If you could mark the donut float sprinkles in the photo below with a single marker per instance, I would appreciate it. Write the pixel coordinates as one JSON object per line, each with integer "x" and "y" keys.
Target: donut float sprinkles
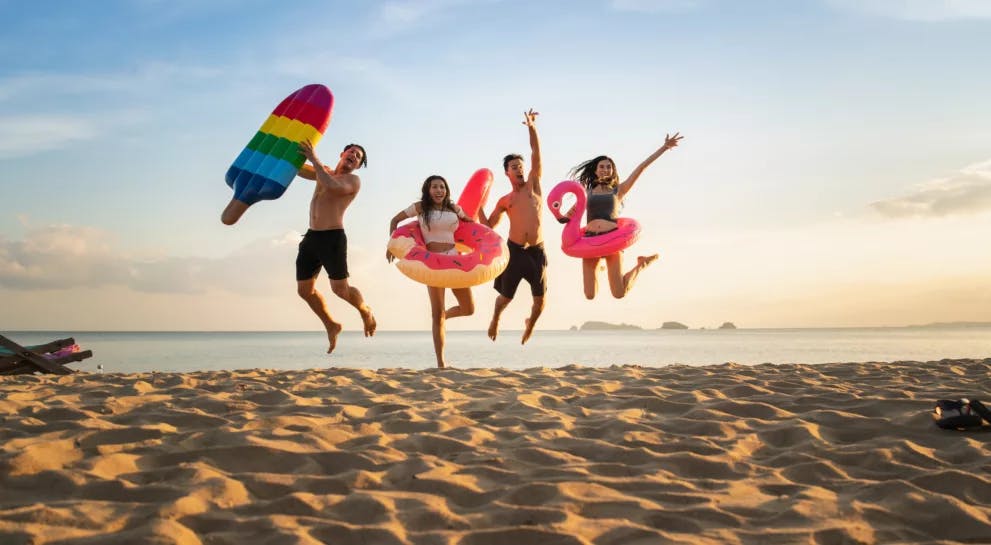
{"x": 481, "y": 253}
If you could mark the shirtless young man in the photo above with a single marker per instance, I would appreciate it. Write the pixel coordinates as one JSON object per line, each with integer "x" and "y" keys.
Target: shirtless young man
{"x": 527, "y": 260}
{"x": 325, "y": 243}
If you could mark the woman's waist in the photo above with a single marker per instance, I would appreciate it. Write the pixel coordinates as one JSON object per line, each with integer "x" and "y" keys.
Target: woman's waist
{"x": 600, "y": 225}
{"x": 440, "y": 247}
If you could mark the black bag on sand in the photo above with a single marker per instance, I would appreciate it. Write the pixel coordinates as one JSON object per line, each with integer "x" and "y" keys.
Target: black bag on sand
{"x": 961, "y": 414}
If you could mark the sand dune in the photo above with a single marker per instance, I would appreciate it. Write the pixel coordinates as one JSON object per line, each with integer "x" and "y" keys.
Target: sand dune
{"x": 770, "y": 454}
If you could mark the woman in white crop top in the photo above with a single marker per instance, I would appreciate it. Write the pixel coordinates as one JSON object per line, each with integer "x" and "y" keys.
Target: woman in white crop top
{"x": 439, "y": 218}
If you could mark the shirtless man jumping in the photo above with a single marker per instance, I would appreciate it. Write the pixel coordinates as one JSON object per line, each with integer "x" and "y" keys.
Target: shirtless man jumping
{"x": 325, "y": 242}
{"x": 527, "y": 260}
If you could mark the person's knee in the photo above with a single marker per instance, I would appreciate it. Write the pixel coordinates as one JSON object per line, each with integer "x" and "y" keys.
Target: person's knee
{"x": 437, "y": 315}
{"x": 468, "y": 309}
{"x": 590, "y": 293}
{"x": 305, "y": 291}
{"x": 341, "y": 290}
{"x": 617, "y": 292}
{"x": 502, "y": 302}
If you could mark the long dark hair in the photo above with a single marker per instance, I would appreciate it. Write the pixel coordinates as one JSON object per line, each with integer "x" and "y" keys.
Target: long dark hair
{"x": 585, "y": 172}
{"x": 427, "y": 204}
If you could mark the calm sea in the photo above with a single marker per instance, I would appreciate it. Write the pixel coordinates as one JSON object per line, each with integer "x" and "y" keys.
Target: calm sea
{"x": 124, "y": 352}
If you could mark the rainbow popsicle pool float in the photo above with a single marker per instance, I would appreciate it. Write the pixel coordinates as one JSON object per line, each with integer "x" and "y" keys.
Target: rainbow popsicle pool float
{"x": 271, "y": 159}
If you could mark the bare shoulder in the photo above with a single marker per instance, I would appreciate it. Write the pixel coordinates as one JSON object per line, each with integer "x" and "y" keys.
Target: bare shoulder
{"x": 505, "y": 201}
{"x": 353, "y": 180}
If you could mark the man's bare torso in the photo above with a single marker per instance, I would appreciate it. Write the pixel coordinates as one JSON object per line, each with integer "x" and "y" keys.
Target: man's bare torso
{"x": 523, "y": 208}
{"x": 327, "y": 208}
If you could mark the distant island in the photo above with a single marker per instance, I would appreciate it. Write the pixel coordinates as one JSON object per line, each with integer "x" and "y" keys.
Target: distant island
{"x": 936, "y": 325}
{"x": 605, "y": 326}
{"x": 673, "y": 325}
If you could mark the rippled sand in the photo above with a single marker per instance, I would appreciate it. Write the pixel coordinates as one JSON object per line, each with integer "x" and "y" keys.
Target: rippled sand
{"x": 770, "y": 454}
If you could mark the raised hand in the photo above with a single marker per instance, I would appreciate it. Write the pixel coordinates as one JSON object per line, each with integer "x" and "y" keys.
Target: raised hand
{"x": 306, "y": 148}
{"x": 530, "y": 117}
{"x": 671, "y": 141}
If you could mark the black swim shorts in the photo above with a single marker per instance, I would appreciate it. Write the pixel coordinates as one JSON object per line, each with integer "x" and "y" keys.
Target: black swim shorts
{"x": 328, "y": 248}
{"x": 528, "y": 264}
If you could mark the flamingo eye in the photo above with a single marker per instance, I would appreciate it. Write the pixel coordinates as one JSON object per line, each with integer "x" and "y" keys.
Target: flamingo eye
{"x": 556, "y": 204}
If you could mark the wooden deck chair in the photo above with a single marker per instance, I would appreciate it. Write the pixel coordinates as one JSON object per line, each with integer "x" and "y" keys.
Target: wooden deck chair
{"x": 45, "y": 358}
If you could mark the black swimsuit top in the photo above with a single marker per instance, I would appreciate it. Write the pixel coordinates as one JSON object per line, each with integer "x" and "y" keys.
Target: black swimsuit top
{"x": 602, "y": 206}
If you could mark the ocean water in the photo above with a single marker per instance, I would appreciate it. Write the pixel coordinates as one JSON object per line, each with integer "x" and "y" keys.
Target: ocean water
{"x": 125, "y": 352}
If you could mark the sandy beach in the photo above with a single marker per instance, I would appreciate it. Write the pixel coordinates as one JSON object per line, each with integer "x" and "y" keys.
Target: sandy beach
{"x": 729, "y": 454}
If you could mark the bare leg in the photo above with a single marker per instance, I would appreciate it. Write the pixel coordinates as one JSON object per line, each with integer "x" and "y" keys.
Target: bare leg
{"x": 465, "y": 306}
{"x": 589, "y": 278}
{"x": 535, "y": 310}
{"x": 307, "y": 290}
{"x": 500, "y": 305}
{"x": 351, "y": 294}
{"x": 437, "y": 318}
{"x": 621, "y": 284}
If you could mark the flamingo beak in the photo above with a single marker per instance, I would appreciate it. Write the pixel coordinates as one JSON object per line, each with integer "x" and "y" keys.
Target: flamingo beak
{"x": 562, "y": 220}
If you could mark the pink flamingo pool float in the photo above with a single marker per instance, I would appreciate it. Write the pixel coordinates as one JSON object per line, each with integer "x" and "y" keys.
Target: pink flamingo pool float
{"x": 573, "y": 239}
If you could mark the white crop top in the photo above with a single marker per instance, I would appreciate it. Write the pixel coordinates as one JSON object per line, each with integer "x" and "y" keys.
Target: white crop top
{"x": 443, "y": 223}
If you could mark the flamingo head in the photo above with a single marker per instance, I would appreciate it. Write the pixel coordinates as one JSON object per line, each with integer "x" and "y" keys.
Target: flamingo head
{"x": 555, "y": 200}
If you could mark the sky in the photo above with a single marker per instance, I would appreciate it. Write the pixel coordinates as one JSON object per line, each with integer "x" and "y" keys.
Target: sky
{"x": 835, "y": 169}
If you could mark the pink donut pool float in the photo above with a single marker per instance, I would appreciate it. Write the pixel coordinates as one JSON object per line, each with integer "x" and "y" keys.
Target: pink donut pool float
{"x": 481, "y": 253}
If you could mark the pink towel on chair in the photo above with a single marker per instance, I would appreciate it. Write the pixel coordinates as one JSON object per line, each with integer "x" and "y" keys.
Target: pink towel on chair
{"x": 71, "y": 349}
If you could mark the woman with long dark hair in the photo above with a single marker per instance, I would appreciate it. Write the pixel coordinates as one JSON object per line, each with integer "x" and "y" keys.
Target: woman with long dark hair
{"x": 439, "y": 218}
{"x": 605, "y": 197}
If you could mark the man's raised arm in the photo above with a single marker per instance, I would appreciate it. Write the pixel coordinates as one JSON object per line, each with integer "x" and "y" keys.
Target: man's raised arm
{"x": 536, "y": 168}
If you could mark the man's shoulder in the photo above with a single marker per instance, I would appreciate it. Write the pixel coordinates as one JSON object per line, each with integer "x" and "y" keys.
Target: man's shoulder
{"x": 351, "y": 178}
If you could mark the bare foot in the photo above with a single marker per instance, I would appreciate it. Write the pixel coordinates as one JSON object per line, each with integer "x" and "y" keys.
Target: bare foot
{"x": 493, "y": 329}
{"x": 645, "y": 260}
{"x": 368, "y": 320}
{"x": 527, "y": 331}
{"x": 332, "y": 333}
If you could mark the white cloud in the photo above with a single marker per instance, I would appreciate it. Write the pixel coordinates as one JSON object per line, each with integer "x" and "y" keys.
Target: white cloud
{"x": 26, "y": 135}
{"x": 146, "y": 78}
{"x": 66, "y": 257}
{"x": 919, "y": 10}
{"x": 40, "y": 111}
{"x": 60, "y": 256}
{"x": 398, "y": 16}
{"x": 966, "y": 192}
{"x": 654, "y": 6}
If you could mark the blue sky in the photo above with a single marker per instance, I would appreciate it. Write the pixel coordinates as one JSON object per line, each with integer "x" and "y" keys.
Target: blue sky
{"x": 836, "y": 167}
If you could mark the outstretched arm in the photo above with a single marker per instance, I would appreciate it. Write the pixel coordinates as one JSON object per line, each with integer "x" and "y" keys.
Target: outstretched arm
{"x": 492, "y": 219}
{"x": 670, "y": 141}
{"x": 307, "y": 171}
{"x": 345, "y": 185}
{"x": 536, "y": 168}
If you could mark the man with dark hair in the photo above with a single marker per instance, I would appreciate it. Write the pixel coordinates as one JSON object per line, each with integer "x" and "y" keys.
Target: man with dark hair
{"x": 325, "y": 243}
{"x": 526, "y": 243}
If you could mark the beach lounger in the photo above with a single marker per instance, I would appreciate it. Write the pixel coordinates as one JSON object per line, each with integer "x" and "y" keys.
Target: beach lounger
{"x": 44, "y": 358}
